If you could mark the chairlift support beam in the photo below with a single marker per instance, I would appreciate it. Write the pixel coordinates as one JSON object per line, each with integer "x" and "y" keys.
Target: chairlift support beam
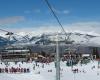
{"x": 57, "y": 60}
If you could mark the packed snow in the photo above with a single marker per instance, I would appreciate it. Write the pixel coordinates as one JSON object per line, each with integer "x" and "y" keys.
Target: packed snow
{"x": 47, "y": 71}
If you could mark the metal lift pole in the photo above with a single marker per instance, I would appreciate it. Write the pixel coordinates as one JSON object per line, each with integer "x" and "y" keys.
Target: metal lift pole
{"x": 57, "y": 59}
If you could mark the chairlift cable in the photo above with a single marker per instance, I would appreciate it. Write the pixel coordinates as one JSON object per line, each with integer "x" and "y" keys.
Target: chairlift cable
{"x": 56, "y": 17}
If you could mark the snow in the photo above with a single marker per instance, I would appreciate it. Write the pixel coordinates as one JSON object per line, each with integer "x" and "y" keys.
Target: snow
{"x": 78, "y": 36}
{"x": 88, "y": 71}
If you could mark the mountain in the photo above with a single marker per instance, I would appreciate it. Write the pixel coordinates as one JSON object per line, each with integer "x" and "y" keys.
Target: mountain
{"x": 3, "y": 41}
{"x": 50, "y": 38}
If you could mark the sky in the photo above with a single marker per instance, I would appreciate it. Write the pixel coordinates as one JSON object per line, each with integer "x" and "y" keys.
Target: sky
{"x": 34, "y": 15}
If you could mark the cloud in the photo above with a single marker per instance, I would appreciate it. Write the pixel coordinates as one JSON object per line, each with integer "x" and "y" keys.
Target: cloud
{"x": 84, "y": 27}
{"x": 37, "y": 10}
{"x": 27, "y": 12}
{"x": 92, "y": 28}
{"x": 61, "y": 11}
{"x": 12, "y": 20}
{"x": 32, "y": 11}
{"x": 38, "y": 30}
{"x": 65, "y": 11}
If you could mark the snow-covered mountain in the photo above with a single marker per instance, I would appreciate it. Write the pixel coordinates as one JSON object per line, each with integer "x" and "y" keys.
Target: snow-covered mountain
{"x": 50, "y": 38}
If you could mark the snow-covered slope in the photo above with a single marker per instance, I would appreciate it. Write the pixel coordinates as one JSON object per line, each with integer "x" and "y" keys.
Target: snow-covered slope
{"x": 49, "y": 38}
{"x": 85, "y": 71}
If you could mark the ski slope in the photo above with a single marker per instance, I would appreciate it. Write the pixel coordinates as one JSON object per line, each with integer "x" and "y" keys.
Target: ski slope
{"x": 88, "y": 71}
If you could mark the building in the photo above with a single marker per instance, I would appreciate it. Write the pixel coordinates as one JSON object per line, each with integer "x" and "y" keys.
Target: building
{"x": 15, "y": 55}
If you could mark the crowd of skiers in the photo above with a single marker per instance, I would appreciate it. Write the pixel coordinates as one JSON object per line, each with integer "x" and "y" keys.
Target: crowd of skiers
{"x": 9, "y": 69}
{"x": 14, "y": 70}
{"x": 77, "y": 70}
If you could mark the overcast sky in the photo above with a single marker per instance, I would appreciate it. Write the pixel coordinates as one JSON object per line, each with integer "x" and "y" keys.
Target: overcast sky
{"x": 34, "y": 15}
